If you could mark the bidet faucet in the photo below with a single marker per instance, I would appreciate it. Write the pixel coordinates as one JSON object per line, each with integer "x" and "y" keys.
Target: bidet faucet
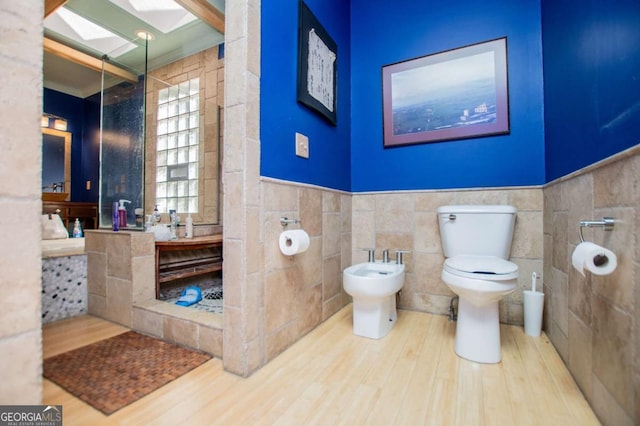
{"x": 399, "y": 254}
{"x": 385, "y": 255}
{"x": 372, "y": 254}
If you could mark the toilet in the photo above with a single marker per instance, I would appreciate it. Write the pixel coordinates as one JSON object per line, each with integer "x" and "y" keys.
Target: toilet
{"x": 476, "y": 242}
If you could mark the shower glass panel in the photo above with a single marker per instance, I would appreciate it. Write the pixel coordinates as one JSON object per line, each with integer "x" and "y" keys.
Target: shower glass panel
{"x": 122, "y": 147}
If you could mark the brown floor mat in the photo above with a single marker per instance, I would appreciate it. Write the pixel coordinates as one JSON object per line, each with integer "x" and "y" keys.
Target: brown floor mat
{"x": 115, "y": 372}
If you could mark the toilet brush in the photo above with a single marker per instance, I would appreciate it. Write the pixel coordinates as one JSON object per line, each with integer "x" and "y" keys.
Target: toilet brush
{"x": 533, "y": 305}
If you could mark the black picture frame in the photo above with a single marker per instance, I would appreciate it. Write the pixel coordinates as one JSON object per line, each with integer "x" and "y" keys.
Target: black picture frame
{"x": 456, "y": 94}
{"x": 318, "y": 72}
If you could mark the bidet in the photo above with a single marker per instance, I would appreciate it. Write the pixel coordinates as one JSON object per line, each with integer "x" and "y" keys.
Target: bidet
{"x": 373, "y": 286}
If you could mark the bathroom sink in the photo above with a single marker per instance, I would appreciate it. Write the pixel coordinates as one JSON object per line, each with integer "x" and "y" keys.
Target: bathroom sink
{"x": 375, "y": 278}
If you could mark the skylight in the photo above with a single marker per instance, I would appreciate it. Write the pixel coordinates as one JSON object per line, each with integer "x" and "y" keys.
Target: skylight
{"x": 85, "y": 32}
{"x": 163, "y": 15}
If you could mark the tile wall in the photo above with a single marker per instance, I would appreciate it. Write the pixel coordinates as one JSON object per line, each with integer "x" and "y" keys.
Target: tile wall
{"x": 121, "y": 288}
{"x": 408, "y": 221}
{"x": 303, "y": 290}
{"x": 594, "y": 321}
{"x": 20, "y": 195}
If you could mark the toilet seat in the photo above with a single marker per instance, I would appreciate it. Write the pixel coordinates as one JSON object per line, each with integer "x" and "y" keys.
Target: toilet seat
{"x": 486, "y": 268}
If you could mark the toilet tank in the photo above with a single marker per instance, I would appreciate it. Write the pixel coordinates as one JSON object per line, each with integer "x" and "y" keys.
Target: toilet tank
{"x": 482, "y": 230}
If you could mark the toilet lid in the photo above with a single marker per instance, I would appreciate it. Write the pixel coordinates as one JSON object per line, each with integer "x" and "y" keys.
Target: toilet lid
{"x": 481, "y": 267}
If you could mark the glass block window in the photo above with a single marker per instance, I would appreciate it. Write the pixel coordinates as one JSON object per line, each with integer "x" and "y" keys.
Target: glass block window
{"x": 178, "y": 147}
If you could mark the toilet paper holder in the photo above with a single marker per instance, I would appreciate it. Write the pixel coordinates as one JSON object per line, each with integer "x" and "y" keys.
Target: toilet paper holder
{"x": 606, "y": 223}
{"x": 286, "y": 221}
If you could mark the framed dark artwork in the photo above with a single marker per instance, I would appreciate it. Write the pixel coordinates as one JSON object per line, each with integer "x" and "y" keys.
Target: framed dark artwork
{"x": 317, "y": 66}
{"x": 456, "y": 94}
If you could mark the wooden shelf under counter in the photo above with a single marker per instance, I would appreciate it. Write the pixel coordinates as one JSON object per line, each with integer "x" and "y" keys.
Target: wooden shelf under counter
{"x": 187, "y": 257}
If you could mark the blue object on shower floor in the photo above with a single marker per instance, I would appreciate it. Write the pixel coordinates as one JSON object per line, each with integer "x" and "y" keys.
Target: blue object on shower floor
{"x": 190, "y": 295}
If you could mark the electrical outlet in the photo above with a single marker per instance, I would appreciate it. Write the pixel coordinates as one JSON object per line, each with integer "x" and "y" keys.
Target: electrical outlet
{"x": 302, "y": 145}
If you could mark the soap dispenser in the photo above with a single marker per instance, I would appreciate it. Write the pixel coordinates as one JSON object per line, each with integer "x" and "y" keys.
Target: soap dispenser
{"x": 77, "y": 229}
{"x": 156, "y": 215}
{"x": 122, "y": 214}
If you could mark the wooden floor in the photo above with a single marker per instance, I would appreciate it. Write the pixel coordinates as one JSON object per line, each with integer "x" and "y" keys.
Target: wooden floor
{"x": 331, "y": 377}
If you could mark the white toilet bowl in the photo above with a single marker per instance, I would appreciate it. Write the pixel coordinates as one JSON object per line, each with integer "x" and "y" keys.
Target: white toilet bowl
{"x": 373, "y": 286}
{"x": 480, "y": 282}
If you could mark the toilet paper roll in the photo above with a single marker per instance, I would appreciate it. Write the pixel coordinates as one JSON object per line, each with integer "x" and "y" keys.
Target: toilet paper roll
{"x": 293, "y": 242}
{"x": 595, "y": 259}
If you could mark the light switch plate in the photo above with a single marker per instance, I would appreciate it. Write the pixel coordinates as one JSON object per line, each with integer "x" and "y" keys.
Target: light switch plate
{"x": 302, "y": 145}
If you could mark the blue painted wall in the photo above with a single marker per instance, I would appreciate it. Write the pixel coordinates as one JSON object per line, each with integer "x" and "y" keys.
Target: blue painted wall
{"x": 281, "y": 116}
{"x": 83, "y": 121}
{"x": 592, "y": 81}
{"x": 387, "y": 32}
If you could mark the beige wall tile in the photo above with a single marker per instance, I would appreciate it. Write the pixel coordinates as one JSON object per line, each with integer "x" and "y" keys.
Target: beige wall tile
{"x": 560, "y": 301}
{"x": 580, "y": 360}
{"x": 210, "y": 341}
{"x": 311, "y": 211}
{"x": 143, "y": 279}
{"x": 481, "y": 197}
{"x": 280, "y": 198}
{"x": 526, "y": 199}
{"x": 331, "y": 234}
{"x": 254, "y": 251}
{"x": 254, "y": 304}
{"x": 281, "y": 294}
{"x": 333, "y": 305}
{"x": 231, "y": 268}
{"x": 615, "y": 185}
{"x": 118, "y": 251}
{"x": 527, "y": 235}
{"x": 180, "y": 331}
{"x": 310, "y": 310}
{"x": 119, "y": 301}
{"x": 431, "y": 201}
{"x": 601, "y": 335}
{"x": 148, "y": 322}
{"x": 606, "y": 407}
{"x": 279, "y": 340}
{"x": 613, "y": 352}
{"x": 427, "y": 233}
{"x": 310, "y": 263}
{"x": 618, "y": 286}
{"x": 22, "y": 374}
{"x": 363, "y": 203}
{"x": 331, "y": 277}
{"x": 330, "y": 202}
{"x": 394, "y": 213}
{"x": 233, "y": 341}
{"x": 560, "y": 254}
{"x": 97, "y": 273}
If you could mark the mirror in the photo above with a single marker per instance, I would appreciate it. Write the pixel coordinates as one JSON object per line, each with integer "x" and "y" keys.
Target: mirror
{"x": 56, "y": 165}
{"x": 73, "y": 81}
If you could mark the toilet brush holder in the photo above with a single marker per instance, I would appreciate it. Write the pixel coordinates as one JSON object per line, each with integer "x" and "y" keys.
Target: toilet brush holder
{"x": 533, "y": 306}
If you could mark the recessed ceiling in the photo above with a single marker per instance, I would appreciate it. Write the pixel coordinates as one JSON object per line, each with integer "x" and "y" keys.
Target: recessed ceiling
{"x": 111, "y": 28}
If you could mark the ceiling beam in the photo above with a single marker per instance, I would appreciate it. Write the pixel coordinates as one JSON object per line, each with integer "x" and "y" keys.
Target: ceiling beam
{"x": 205, "y": 11}
{"x": 51, "y": 6}
{"x": 88, "y": 61}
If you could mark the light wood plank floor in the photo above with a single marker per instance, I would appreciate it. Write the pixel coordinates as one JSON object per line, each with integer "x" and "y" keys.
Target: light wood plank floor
{"x": 331, "y": 377}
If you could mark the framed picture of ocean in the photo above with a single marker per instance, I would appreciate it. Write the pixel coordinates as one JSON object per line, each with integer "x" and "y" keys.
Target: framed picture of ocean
{"x": 456, "y": 94}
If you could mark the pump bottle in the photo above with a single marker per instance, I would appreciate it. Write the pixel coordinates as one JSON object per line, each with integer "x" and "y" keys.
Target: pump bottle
{"x": 122, "y": 214}
{"x": 77, "y": 229}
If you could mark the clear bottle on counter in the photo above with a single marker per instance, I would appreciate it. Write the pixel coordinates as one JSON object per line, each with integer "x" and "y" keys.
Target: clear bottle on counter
{"x": 77, "y": 229}
{"x": 174, "y": 224}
